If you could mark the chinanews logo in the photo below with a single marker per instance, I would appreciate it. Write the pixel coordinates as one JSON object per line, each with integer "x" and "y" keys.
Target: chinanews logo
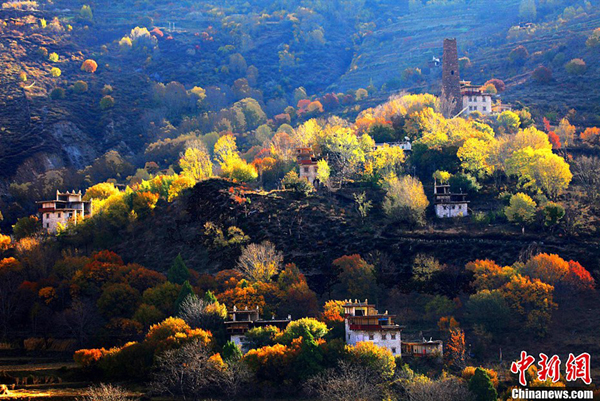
{"x": 577, "y": 368}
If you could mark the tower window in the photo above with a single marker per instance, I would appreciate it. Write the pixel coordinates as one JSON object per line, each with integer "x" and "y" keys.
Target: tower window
{"x": 452, "y": 72}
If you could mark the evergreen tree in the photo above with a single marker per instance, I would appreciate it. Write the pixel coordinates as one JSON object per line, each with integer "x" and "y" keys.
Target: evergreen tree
{"x": 481, "y": 386}
{"x": 178, "y": 273}
{"x": 186, "y": 291}
{"x": 310, "y": 358}
{"x": 231, "y": 352}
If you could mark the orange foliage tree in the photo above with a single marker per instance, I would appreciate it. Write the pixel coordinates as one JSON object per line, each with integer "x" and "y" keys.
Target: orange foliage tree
{"x": 591, "y": 136}
{"x": 489, "y": 275}
{"x": 456, "y": 349}
{"x": 89, "y": 65}
{"x": 271, "y": 363}
{"x": 550, "y": 269}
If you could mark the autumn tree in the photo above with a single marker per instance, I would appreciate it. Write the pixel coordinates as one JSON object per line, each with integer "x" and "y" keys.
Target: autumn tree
{"x": 566, "y": 132}
{"x": 540, "y": 170}
{"x": 549, "y": 268}
{"x": 89, "y": 65}
{"x": 232, "y": 165}
{"x": 509, "y": 121}
{"x": 591, "y": 136}
{"x": 405, "y": 200}
{"x": 379, "y": 359}
{"x": 425, "y": 267}
{"x": 195, "y": 163}
{"x": 579, "y": 278}
{"x": 456, "y": 350}
{"x": 260, "y": 262}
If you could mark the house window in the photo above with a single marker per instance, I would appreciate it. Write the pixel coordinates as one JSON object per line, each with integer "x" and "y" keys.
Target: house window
{"x": 47, "y": 215}
{"x": 371, "y": 337}
{"x": 393, "y": 350}
{"x": 393, "y": 336}
{"x": 484, "y": 108}
{"x": 59, "y": 215}
{"x": 384, "y": 336}
{"x": 70, "y": 214}
{"x": 306, "y": 169}
{"x": 47, "y": 225}
{"x": 348, "y": 337}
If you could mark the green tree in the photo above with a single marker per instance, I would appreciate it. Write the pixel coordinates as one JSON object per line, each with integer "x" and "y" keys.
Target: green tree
{"x": 185, "y": 292}
{"x": 521, "y": 210}
{"x": 481, "y": 385}
{"x": 298, "y": 328}
{"x": 553, "y": 213}
{"x": 178, "y": 273}
{"x": 231, "y": 352}
{"x": 26, "y": 227}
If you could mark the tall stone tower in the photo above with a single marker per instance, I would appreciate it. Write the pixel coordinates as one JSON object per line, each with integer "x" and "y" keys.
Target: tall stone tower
{"x": 451, "y": 76}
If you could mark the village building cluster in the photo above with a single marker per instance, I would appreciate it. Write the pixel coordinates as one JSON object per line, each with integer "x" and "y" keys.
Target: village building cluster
{"x": 362, "y": 323}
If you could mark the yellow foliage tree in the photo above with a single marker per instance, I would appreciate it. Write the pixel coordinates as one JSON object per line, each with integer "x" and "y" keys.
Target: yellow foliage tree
{"x": 195, "y": 163}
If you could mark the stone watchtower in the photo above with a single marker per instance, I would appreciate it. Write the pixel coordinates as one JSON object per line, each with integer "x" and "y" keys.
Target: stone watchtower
{"x": 451, "y": 76}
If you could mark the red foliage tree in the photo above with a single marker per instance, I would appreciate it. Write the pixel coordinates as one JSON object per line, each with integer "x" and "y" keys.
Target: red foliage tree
{"x": 579, "y": 278}
{"x": 554, "y": 140}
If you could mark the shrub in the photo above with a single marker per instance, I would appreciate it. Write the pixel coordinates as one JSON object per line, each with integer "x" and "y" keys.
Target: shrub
{"x": 80, "y": 87}
{"x": 55, "y": 72}
{"x": 53, "y": 57}
{"x": 293, "y": 182}
{"x": 105, "y": 392}
{"x": 518, "y": 55}
{"x": 576, "y": 67}
{"x": 107, "y": 102}
{"x": 57, "y": 93}
{"x": 542, "y": 74}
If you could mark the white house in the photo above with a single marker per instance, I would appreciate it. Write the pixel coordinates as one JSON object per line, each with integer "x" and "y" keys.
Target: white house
{"x": 67, "y": 207}
{"x": 475, "y": 99}
{"x": 307, "y": 163}
{"x": 364, "y": 323}
{"x": 448, "y": 204}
